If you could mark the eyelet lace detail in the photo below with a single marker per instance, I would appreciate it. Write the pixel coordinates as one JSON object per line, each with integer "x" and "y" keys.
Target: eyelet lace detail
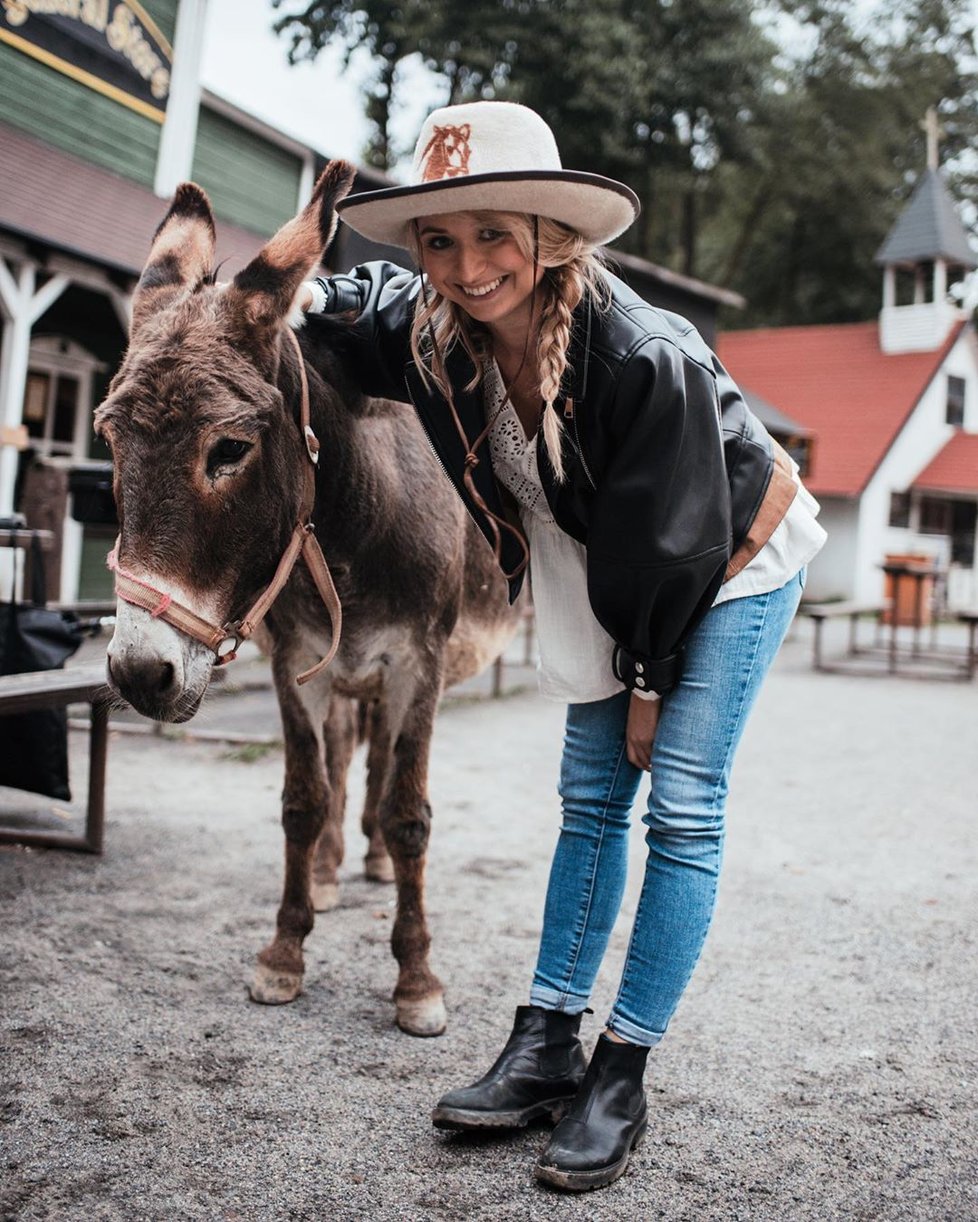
{"x": 514, "y": 458}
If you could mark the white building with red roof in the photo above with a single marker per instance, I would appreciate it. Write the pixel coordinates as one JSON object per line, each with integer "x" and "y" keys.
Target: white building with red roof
{"x": 892, "y": 406}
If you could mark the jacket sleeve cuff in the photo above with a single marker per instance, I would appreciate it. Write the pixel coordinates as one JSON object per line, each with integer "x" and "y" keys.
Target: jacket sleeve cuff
{"x": 339, "y": 294}
{"x": 643, "y": 674}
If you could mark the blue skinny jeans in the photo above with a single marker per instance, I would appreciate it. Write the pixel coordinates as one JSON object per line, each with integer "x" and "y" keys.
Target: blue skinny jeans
{"x": 701, "y": 722}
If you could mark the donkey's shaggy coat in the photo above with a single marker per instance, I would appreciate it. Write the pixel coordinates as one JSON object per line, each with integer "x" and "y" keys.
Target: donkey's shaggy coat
{"x": 209, "y": 463}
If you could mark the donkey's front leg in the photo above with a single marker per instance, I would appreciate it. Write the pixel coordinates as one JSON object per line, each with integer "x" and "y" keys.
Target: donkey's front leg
{"x": 405, "y": 819}
{"x": 377, "y": 864}
{"x": 340, "y": 736}
{"x": 278, "y": 973}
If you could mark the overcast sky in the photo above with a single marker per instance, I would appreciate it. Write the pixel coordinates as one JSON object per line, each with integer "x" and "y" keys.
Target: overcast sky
{"x": 246, "y": 63}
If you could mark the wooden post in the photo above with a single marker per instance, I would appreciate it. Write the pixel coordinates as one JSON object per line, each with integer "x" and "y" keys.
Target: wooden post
{"x": 44, "y": 503}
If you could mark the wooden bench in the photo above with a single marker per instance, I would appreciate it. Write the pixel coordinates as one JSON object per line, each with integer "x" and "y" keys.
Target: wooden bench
{"x": 820, "y": 612}
{"x": 48, "y": 689}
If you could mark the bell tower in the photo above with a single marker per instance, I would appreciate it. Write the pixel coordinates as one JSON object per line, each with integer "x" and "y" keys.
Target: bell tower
{"x": 923, "y": 253}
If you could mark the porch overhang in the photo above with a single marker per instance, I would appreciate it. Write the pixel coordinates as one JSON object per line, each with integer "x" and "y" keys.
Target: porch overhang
{"x": 953, "y": 471}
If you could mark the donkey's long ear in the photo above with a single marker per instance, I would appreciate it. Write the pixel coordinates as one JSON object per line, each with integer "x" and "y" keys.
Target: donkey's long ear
{"x": 182, "y": 253}
{"x": 265, "y": 289}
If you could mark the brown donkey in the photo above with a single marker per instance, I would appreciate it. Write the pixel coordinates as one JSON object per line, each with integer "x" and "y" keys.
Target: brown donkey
{"x": 210, "y": 461}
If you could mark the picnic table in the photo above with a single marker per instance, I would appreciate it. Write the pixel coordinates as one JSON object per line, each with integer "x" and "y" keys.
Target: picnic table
{"x": 907, "y": 610}
{"x": 47, "y": 689}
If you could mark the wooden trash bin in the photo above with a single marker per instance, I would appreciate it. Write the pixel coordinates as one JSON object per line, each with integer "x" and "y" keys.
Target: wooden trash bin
{"x": 910, "y": 593}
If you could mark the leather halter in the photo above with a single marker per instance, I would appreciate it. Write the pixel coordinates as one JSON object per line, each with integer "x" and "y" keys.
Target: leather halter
{"x": 302, "y": 543}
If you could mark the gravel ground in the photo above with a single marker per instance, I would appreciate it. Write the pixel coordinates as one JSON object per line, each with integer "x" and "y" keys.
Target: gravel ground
{"x": 821, "y": 1066}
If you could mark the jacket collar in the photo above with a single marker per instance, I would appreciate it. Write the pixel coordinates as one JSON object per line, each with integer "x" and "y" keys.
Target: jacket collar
{"x": 435, "y": 416}
{"x": 468, "y": 403}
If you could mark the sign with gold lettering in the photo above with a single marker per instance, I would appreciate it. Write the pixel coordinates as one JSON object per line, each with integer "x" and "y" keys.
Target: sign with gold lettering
{"x": 112, "y": 46}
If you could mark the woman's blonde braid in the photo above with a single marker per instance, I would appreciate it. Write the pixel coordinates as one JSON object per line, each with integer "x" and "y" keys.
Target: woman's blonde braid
{"x": 566, "y": 288}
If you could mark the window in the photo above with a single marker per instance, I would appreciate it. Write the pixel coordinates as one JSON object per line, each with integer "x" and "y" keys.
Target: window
{"x": 964, "y": 515}
{"x": 935, "y": 516}
{"x": 899, "y": 508}
{"x": 955, "y": 400}
{"x": 50, "y": 407}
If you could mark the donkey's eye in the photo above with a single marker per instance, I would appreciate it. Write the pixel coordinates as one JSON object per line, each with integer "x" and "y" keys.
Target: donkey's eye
{"x": 226, "y": 453}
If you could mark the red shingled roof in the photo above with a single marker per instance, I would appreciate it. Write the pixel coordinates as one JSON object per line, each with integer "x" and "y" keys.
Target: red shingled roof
{"x": 84, "y": 210}
{"x": 835, "y": 380}
{"x": 953, "y": 469}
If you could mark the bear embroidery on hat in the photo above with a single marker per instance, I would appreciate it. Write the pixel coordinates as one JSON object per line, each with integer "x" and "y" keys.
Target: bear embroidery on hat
{"x": 446, "y": 155}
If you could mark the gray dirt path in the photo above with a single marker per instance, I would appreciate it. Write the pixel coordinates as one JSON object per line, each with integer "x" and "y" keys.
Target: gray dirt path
{"x": 821, "y": 1066}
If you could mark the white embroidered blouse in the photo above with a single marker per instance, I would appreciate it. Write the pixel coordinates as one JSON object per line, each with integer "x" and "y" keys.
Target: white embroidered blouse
{"x": 575, "y": 651}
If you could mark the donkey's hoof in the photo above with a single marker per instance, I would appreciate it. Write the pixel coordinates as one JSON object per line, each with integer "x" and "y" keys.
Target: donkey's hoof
{"x": 378, "y": 868}
{"x": 324, "y": 896}
{"x": 273, "y": 988}
{"x": 425, "y": 1017}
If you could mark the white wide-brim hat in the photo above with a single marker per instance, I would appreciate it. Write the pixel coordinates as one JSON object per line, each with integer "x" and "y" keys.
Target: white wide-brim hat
{"x": 498, "y": 156}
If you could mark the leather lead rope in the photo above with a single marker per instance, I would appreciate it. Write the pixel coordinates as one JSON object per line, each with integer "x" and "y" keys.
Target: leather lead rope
{"x": 302, "y": 543}
{"x": 312, "y": 553}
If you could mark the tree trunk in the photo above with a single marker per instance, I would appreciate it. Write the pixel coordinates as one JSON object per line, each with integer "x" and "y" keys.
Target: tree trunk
{"x": 648, "y": 214}
{"x": 787, "y": 303}
{"x": 758, "y": 207}
{"x": 380, "y": 153}
{"x": 455, "y": 86}
{"x": 688, "y": 234}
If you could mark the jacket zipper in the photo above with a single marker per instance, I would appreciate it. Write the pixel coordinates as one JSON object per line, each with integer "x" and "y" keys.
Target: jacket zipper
{"x": 572, "y": 414}
{"x": 438, "y": 457}
{"x": 580, "y": 453}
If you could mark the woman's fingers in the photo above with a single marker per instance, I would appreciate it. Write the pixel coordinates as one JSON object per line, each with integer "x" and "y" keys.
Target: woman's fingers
{"x": 643, "y": 720}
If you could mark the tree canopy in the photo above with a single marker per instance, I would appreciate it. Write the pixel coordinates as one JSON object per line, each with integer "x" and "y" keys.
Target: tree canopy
{"x": 772, "y": 148}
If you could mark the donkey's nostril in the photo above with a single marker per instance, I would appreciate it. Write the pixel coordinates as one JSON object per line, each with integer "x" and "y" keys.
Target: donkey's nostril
{"x": 150, "y": 677}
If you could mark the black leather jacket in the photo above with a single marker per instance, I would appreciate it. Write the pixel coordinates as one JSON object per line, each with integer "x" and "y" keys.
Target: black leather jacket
{"x": 665, "y": 466}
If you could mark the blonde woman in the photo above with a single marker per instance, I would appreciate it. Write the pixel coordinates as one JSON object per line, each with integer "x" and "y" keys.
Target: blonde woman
{"x": 669, "y": 538}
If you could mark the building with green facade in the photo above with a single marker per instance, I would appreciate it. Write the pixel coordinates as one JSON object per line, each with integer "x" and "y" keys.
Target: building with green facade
{"x": 101, "y": 115}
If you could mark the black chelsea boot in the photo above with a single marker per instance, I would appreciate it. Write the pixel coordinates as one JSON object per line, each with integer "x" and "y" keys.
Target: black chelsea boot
{"x": 537, "y": 1072}
{"x": 607, "y": 1120}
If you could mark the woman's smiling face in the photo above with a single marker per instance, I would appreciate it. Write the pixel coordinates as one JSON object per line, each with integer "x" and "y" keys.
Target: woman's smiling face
{"x": 472, "y": 260}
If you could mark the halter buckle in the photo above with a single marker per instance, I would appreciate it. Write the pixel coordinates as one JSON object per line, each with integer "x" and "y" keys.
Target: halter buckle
{"x": 312, "y": 444}
{"x": 226, "y": 649}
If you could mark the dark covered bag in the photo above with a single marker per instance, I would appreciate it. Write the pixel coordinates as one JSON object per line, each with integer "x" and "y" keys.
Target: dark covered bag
{"x": 34, "y": 746}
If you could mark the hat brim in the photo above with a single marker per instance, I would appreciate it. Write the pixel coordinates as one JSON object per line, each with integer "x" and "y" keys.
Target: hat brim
{"x": 598, "y": 208}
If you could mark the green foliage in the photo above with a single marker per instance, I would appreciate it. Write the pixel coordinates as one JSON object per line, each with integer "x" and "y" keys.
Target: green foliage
{"x": 835, "y": 156}
{"x": 772, "y": 148}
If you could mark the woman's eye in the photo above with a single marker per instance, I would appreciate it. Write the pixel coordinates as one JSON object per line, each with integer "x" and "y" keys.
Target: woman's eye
{"x": 439, "y": 243}
{"x": 226, "y": 453}
{"x": 492, "y": 235}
